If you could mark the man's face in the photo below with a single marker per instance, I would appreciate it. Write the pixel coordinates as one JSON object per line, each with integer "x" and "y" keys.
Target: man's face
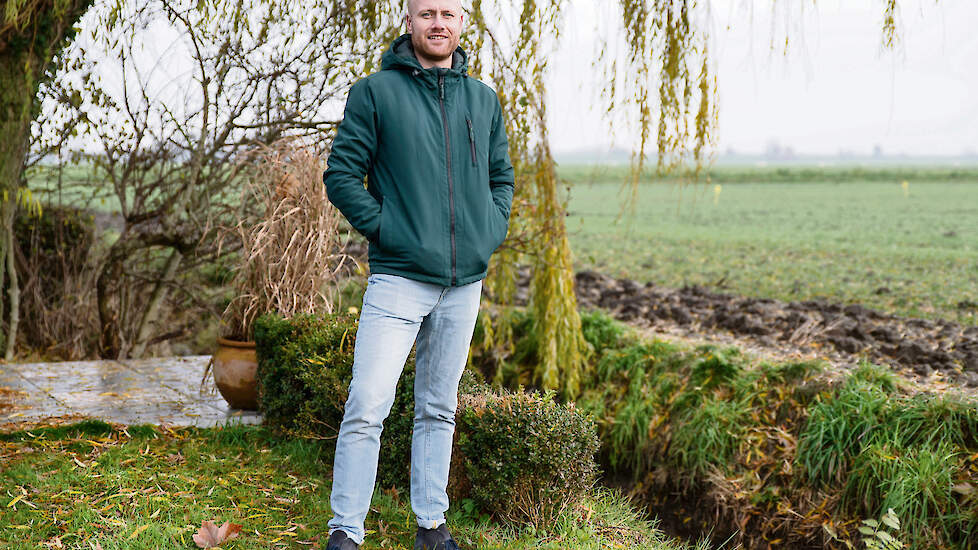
{"x": 436, "y": 28}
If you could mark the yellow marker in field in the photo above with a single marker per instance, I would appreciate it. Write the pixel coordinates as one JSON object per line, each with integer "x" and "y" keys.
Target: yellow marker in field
{"x": 716, "y": 194}
{"x": 906, "y": 188}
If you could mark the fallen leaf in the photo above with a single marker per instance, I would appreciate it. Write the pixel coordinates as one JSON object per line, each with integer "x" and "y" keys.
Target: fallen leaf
{"x": 964, "y": 488}
{"x": 138, "y": 531}
{"x": 210, "y": 535}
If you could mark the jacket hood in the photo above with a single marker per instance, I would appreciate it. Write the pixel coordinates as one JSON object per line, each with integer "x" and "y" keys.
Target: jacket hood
{"x": 400, "y": 55}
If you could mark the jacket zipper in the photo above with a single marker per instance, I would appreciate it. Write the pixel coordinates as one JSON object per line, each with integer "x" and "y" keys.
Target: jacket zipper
{"x": 448, "y": 162}
{"x": 468, "y": 121}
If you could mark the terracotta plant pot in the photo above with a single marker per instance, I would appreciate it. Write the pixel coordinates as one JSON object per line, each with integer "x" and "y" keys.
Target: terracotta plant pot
{"x": 235, "y": 373}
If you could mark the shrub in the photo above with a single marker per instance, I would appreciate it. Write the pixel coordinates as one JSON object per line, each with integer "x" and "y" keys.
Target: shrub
{"x": 305, "y": 365}
{"x": 780, "y": 450}
{"x": 521, "y": 456}
{"x": 526, "y": 457}
{"x": 57, "y": 284}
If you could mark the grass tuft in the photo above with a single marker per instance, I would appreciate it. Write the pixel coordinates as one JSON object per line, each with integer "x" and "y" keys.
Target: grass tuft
{"x": 876, "y": 375}
{"x": 837, "y": 430}
{"x": 706, "y": 437}
{"x": 719, "y": 368}
{"x": 916, "y": 483}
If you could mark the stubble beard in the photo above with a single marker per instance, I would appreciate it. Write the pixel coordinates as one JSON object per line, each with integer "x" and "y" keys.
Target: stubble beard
{"x": 421, "y": 49}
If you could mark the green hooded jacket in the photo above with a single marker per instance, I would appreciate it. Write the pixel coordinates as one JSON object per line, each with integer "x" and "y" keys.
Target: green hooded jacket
{"x": 432, "y": 144}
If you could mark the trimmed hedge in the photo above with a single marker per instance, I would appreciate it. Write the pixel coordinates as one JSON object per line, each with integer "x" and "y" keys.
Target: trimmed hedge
{"x": 520, "y": 456}
{"x": 525, "y": 456}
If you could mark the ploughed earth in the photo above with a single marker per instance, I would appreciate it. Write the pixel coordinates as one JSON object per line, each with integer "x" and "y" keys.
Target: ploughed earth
{"x": 934, "y": 352}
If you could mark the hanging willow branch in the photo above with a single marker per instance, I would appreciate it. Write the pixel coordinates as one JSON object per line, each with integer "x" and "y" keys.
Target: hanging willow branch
{"x": 890, "y": 36}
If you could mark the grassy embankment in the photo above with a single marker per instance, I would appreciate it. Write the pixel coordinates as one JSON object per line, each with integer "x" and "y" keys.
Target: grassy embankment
{"x": 783, "y": 453}
{"x": 842, "y": 234}
{"x": 150, "y": 487}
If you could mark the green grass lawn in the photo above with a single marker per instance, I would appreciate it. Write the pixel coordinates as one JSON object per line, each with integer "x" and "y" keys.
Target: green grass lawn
{"x": 864, "y": 241}
{"x": 149, "y": 487}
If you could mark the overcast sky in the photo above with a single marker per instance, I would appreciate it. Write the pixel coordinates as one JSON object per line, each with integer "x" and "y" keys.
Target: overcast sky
{"x": 835, "y": 90}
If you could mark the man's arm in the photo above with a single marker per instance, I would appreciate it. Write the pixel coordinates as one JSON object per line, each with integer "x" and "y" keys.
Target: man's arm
{"x": 350, "y": 158}
{"x": 500, "y": 167}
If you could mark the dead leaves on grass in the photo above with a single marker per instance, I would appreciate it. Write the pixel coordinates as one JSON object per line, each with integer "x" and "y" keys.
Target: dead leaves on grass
{"x": 164, "y": 482}
{"x": 210, "y": 535}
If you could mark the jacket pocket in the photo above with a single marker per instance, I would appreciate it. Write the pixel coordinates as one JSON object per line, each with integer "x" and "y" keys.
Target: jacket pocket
{"x": 382, "y": 232}
{"x": 468, "y": 123}
{"x": 499, "y": 226}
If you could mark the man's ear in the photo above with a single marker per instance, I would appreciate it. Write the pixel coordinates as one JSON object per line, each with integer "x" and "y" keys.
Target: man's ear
{"x": 407, "y": 23}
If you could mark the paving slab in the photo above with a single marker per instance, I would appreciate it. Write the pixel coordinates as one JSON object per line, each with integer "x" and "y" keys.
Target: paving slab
{"x": 146, "y": 391}
{"x": 182, "y": 374}
{"x": 22, "y": 400}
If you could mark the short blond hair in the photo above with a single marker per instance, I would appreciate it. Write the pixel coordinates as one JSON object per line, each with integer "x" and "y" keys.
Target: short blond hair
{"x": 408, "y": 4}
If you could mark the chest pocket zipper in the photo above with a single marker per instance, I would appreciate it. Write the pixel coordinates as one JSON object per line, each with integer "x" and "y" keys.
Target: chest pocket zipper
{"x": 468, "y": 123}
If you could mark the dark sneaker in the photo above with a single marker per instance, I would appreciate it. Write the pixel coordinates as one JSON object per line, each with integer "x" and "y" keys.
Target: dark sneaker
{"x": 434, "y": 539}
{"x": 339, "y": 540}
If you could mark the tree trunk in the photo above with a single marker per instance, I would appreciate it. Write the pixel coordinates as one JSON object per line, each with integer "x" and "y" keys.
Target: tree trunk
{"x": 15, "y": 124}
{"x": 110, "y": 343}
{"x": 153, "y": 307}
{"x": 13, "y": 292}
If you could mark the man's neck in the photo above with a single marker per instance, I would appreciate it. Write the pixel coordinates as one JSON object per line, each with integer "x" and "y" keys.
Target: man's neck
{"x": 441, "y": 63}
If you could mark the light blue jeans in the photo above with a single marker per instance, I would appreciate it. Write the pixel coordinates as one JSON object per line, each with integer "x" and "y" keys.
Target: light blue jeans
{"x": 396, "y": 312}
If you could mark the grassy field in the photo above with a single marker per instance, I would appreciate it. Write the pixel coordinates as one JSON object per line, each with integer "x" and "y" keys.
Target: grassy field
{"x": 844, "y": 235}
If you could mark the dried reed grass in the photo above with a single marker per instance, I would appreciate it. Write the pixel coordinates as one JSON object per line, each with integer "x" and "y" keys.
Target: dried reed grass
{"x": 291, "y": 256}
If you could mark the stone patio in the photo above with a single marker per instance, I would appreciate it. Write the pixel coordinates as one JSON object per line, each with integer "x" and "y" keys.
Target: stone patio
{"x": 162, "y": 391}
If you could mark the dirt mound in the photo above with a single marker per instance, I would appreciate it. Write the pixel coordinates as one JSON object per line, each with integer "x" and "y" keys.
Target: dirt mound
{"x": 851, "y": 331}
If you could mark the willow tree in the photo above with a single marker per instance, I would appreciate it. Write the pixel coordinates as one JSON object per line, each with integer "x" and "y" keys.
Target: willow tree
{"x": 664, "y": 82}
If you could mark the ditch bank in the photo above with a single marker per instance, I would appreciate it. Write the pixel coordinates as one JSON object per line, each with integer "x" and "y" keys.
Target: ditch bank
{"x": 791, "y": 454}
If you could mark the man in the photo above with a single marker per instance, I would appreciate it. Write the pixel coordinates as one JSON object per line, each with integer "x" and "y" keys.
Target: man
{"x": 432, "y": 143}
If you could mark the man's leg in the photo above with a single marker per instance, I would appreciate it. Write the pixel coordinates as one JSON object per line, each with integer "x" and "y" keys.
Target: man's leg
{"x": 393, "y": 308}
{"x": 442, "y": 350}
